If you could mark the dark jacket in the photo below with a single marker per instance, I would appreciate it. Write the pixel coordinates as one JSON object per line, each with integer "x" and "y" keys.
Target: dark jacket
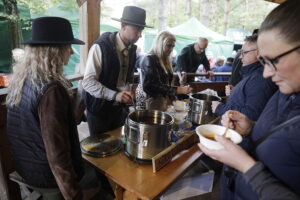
{"x": 188, "y": 60}
{"x": 236, "y": 75}
{"x": 225, "y": 68}
{"x": 279, "y": 153}
{"x": 156, "y": 82}
{"x": 27, "y": 144}
{"x": 251, "y": 94}
{"x": 110, "y": 71}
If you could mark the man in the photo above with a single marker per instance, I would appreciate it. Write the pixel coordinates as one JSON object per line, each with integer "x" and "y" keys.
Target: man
{"x": 227, "y": 67}
{"x": 109, "y": 70}
{"x": 252, "y": 93}
{"x": 191, "y": 57}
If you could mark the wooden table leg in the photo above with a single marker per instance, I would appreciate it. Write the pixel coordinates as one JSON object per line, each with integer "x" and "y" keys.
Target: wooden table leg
{"x": 119, "y": 192}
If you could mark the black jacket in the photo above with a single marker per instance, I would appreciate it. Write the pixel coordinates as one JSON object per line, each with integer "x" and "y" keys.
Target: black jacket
{"x": 156, "y": 82}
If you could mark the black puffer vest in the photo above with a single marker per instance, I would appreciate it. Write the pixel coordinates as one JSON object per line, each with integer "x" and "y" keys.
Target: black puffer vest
{"x": 110, "y": 71}
{"x": 29, "y": 155}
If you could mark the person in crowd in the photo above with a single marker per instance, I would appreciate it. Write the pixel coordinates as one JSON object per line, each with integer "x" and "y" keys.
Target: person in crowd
{"x": 253, "y": 92}
{"x": 155, "y": 90}
{"x": 211, "y": 60}
{"x": 219, "y": 63}
{"x": 227, "y": 67}
{"x": 270, "y": 169}
{"x": 40, "y": 119}
{"x": 191, "y": 57}
{"x": 110, "y": 70}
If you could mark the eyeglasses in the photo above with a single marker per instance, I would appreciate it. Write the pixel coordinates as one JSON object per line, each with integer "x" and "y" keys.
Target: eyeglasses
{"x": 245, "y": 52}
{"x": 271, "y": 62}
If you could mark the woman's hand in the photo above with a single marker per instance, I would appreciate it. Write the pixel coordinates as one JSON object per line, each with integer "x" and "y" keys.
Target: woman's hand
{"x": 237, "y": 121}
{"x": 184, "y": 90}
{"x": 232, "y": 154}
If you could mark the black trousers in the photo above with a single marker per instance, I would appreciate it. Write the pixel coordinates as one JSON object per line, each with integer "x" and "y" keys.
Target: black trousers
{"x": 107, "y": 120}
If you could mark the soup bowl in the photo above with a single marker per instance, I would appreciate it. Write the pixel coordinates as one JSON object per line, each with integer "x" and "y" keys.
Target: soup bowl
{"x": 207, "y": 132}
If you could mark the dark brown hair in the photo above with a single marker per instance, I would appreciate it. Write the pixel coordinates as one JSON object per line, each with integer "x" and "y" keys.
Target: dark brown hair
{"x": 284, "y": 18}
{"x": 251, "y": 39}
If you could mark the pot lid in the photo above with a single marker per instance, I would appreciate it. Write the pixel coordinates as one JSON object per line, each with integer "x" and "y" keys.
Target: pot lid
{"x": 100, "y": 145}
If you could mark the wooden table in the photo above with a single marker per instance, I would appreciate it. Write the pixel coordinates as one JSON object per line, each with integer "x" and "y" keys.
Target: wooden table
{"x": 137, "y": 181}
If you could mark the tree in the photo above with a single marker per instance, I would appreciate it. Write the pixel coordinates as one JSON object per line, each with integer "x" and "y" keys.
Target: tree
{"x": 205, "y": 12}
{"x": 226, "y": 15}
{"x": 189, "y": 8}
{"x": 11, "y": 14}
{"x": 162, "y": 14}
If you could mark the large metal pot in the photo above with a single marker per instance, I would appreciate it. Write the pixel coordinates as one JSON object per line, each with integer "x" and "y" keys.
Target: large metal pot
{"x": 147, "y": 132}
{"x": 200, "y": 108}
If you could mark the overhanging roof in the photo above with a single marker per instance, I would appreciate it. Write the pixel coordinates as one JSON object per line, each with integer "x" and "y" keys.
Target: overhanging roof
{"x": 276, "y": 1}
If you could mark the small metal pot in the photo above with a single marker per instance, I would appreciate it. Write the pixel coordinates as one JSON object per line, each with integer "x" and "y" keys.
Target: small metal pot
{"x": 147, "y": 132}
{"x": 200, "y": 108}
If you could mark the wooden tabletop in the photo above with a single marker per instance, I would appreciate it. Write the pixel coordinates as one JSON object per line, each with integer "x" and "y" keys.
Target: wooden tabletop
{"x": 139, "y": 179}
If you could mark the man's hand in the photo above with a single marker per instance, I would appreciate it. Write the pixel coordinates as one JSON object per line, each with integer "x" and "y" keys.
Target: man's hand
{"x": 124, "y": 97}
{"x": 184, "y": 90}
{"x": 214, "y": 105}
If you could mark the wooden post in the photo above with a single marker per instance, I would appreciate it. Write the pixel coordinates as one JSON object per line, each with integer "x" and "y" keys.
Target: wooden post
{"x": 89, "y": 28}
{"x": 8, "y": 189}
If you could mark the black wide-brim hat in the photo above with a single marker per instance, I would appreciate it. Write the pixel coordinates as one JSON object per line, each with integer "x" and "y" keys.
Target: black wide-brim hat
{"x": 133, "y": 15}
{"x": 52, "y": 31}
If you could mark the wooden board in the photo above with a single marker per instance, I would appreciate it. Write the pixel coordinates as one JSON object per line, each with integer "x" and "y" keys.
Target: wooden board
{"x": 164, "y": 157}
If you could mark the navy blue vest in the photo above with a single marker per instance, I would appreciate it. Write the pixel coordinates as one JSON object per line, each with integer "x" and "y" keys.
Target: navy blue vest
{"x": 23, "y": 129}
{"x": 110, "y": 71}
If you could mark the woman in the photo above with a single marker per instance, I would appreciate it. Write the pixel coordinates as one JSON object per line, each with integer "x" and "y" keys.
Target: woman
{"x": 271, "y": 169}
{"x": 40, "y": 119}
{"x": 155, "y": 89}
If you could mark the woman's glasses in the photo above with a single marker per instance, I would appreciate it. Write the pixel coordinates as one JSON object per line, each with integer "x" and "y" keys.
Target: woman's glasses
{"x": 271, "y": 62}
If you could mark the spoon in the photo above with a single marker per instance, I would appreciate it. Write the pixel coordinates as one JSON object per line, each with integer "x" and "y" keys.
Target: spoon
{"x": 226, "y": 129}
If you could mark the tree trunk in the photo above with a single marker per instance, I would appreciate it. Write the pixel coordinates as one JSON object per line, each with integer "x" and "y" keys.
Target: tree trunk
{"x": 189, "y": 8}
{"x": 226, "y": 15}
{"x": 15, "y": 31}
{"x": 162, "y": 14}
{"x": 205, "y": 12}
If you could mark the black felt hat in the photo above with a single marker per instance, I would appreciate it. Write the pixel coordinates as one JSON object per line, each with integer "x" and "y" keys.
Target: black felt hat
{"x": 133, "y": 15}
{"x": 52, "y": 31}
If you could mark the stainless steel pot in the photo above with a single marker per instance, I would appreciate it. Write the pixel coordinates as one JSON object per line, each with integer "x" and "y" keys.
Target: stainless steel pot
{"x": 147, "y": 132}
{"x": 200, "y": 108}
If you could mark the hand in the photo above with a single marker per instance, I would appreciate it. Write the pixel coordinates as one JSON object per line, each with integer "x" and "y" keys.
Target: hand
{"x": 214, "y": 105}
{"x": 183, "y": 79}
{"x": 228, "y": 89}
{"x": 237, "y": 121}
{"x": 232, "y": 154}
{"x": 124, "y": 97}
{"x": 184, "y": 90}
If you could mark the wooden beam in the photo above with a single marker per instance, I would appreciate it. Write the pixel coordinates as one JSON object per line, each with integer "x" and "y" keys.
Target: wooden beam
{"x": 80, "y": 2}
{"x": 89, "y": 28}
{"x": 276, "y": 1}
{"x": 8, "y": 189}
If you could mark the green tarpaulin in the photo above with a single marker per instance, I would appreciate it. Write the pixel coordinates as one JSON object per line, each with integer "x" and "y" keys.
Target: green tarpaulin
{"x": 187, "y": 32}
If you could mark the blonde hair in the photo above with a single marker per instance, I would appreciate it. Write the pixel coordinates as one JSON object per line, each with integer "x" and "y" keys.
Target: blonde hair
{"x": 40, "y": 65}
{"x": 158, "y": 45}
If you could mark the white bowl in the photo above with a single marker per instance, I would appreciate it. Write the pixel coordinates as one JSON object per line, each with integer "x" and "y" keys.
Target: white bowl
{"x": 219, "y": 130}
{"x": 181, "y": 106}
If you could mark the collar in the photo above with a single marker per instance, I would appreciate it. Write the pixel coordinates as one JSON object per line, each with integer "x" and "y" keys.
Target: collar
{"x": 120, "y": 45}
{"x": 248, "y": 69}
